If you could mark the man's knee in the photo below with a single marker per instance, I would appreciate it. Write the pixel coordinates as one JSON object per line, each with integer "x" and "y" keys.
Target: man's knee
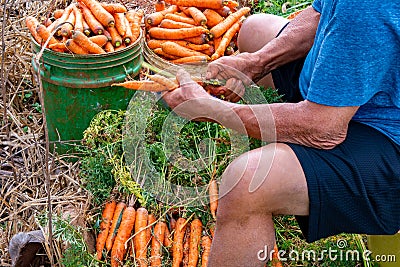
{"x": 257, "y": 30}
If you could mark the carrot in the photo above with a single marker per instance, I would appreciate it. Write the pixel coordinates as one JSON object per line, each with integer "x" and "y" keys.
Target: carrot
{"x": 213, "y": 194}
{"x": 85, "y": 42}
{"x": 208, "y": 51}
{"x": 150, "y": 221}
{"x": 114, "y": 7}
{"x": 215, "y": 4}
{"x": 213, "y": 18}
{"x": 155, "y": 43}
{"x": 124, "y": 232}
{"x": 232, "y": 4}
{"x": 217, "y": 41}
{"x": 109, "y": 47}
{"x": 65, "y": 15}
{"x": 196, "y": 227}
{"x": 86, "y": 28}
{"x": 178, "y": 18}
{"x": 100, "y": 40}
{"x": 186, "y": 247}
{"x": 219, "y": 29}
{"x": 47, "y": 22}
{"x": 53, "y": 25}
{"x": 166, "y": 82}
{"x": 116, "y": 38}
{"x": 106, "y": 219}
{"x": 156, "y": 244}
{"x": 226, "y": 39}
{"x": 191, "y": 59}
{"x": 148, "y": 86}
{"x": 206, "y": 246}
{"x": 161, "y": 53}
{"x": 167, "y": 239}
{"x": 196, "y": 14}
{"x": 78, "y": 18}
{"x": 68, "y": 26}
{"x": 178, "y": 50}
{"x": 135, "y": 24}
{"x": 45, "y": 34}
{"x": 275, "y": 257}
{"x": 224, "y": 12}
{"x": 122, "y": 46}
{"x": 91, "y": 20}
{"x": 172, "y": 24}
{"x": 128, "y": 36}
{"x": 102, "y": 15}
{"x": 177, "y": 245}
{"x": 172, "y": 223}
{"x": 59, "y": 47}
{"x": 116, "y": 220}
{"x": 162, "y": 33}
{"x": 200, "y": 39}
{"x": 130, "y": 15}
{"x": 120, "y": 23}
{"x": 75, "y": 48}
{"x": 58, "y": 13}
{"x": 140, "y": 239}
{"x": 212, "y": 230}
{"x": 155, "y": 18}
{"x": 31, "y": 24}
{"x": 108, "y": 35}
{"x": 159, "y": 5}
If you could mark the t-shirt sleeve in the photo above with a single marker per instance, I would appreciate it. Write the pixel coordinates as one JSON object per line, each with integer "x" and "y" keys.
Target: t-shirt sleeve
{"x": 317, "y": 5}
{"x": 352, "y": 60}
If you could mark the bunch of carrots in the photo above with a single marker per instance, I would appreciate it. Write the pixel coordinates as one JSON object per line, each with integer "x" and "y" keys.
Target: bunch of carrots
{"x": 136, "y": 234}
{"x": 194, "y": 31}
{"x": 88, "y": 27}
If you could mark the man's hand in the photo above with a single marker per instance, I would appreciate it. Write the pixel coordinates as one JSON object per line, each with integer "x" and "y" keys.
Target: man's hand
{"x": 188, "y": 100}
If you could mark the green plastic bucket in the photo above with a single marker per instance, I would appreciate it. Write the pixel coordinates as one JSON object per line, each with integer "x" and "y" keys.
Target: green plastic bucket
{"x": 385, "y": 249}
{"x": 77, "y": 87}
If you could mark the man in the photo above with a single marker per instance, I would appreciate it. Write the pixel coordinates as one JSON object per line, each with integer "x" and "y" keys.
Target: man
{"x": 334, "y": 156}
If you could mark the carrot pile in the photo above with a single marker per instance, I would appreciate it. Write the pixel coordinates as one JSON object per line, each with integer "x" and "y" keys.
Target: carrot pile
{"x": 194, "y": 31}
{"x": 88, "y": 27}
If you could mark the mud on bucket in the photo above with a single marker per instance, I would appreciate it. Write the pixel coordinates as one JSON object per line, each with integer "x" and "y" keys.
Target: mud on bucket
{"x": 77, "y": 87}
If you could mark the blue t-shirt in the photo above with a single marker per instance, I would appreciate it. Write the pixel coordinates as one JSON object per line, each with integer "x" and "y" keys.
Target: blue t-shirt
{"x": 355, "y": 61}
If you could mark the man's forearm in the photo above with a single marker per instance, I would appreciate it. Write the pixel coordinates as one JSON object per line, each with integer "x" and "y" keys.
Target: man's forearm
{"x": 294, "y": 42}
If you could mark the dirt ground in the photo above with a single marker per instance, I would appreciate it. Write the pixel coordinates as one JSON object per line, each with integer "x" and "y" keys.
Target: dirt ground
{"x": 31, "y": 178}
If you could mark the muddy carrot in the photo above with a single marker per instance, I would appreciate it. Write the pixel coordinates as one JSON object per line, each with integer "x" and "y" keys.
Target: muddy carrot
{"x": 85, "y": 42}
{"x": 91, "y": 20}
{"x": 75, "y": 48}
{"x": 196, "y": 228}
{"x": 116, "y": 221}
{"x": 102, "y": 15}
{"x": 128, "y": 37}
{"x": 116, "y": 38}
{"x": 168, "y": 238}
{"x": 120, "y": 23}
{"x": 166, "y": 82}
{"x": 179, "y": 18}
{"x": 226, "y": 39}
{"x": 109, "y": 47}
{"x": 206, "y": 247}
{"x": 219, "y": 29}
{"x": 213, "y": 195}
{"x": 186, "y": 247}
{"x": 100, "y": 40}
{"x": 215, "y": 4}
{"x": 31, "y": 24}
{"x": 140, "y": 239}
{"x": 148, "y": 86}
{"x": 162, "y": 33}
{"x": 106, "y": 219}
{"x": 191, "y": 59}
{"x": 78, "y": 19}
{"x": 178, "y": 50}
{"x": 45, "y": 34}
{"x": 118, "y": 250}
{"x": 58, "y": 13}
{"x": 156, "y": 244}
{"x": 114, "y": 7}
{"x": 196, "y": 14}
{"x": 68, "y": 26}
{"x": 177, "y": 245}
{"x": 159, "y": 5}
{"x": 213, "y": 18}
{"x": 224, "y": 12}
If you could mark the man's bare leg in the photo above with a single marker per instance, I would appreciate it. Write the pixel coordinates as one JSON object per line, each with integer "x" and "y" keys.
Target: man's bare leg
{"x": 257, "y": 185}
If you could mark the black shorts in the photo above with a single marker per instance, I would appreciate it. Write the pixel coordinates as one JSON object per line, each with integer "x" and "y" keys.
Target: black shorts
{"x": 354, "y": 187}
